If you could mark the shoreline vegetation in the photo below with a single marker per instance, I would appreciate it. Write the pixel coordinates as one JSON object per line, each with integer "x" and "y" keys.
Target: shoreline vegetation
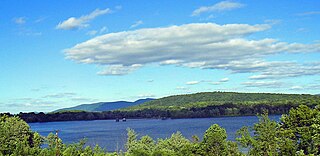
{"x": 297, "y": 133}
{"x": 198, "y": 105}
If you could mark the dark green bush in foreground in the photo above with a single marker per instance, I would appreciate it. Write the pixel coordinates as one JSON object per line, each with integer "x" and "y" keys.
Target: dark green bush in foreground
{"x": 297, "y": 133}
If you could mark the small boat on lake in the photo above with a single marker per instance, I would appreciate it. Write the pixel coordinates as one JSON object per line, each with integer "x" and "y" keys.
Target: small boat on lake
{"x": 164, "y": 118}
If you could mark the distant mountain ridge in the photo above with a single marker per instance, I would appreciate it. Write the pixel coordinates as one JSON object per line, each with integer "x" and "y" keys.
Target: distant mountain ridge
{"x": 104, "y": 106}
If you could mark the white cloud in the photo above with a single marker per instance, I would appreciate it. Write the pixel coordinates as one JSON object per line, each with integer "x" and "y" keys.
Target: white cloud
{"x": 40, "y": 19}
{"x": 216, "y": 83}
{"x": 60, "y": 95}
{"x": 31, "y": 102}
{"x": 302, "y": 30}
{"x": 276, "y": 70}
{"x": 223, "y": 80}
{"x": 28, "y": 32}
{"x": 136, "y": 24}
{"x": 119, "y": 69}
{"x": 273, "y": 21}
{"x": 309, "y": 13}
{"x": 221, "y": 6}
{"x": 313, "y": 87}
{"x": 118, "y": 7}
{"x": 192, "y": 82}
{"x": 194, "y": 64}
{"x": 208, "y": 18}
{"x": 92, "y": 32}
{"x": 267, "y": 84}
{"x": 198, "y": 45}
{"x": 181, "y": 88}
{"x": 20, "y": 20}
{"x": 296, "y": 88}
{"x": 95, "y": 32}
{"x": 147, "y": 95}
{"x": 306, "y": 87}
{"x": 81, "y": 22}
{"x": 83, "y": 100}
{"x": 103, "y": 30}
{"x": 170, "y": 62}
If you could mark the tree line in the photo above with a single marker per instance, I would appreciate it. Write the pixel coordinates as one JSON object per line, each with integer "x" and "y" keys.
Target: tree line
{"x": 198, "y": 105}
{"x": 297, "y": 134}
{"x": 228, "y": 109}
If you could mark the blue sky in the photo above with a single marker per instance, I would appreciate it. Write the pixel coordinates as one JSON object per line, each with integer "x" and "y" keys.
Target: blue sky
{"x": 64, "y": 53}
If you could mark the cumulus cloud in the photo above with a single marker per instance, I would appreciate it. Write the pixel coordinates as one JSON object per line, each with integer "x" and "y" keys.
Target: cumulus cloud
{"x": 81, "y": 22}
{"x": 197, "y": 45}
{"x": 136, "y": 24}
{"x": 221, "y": 6}
{"x": 192, "y": 82}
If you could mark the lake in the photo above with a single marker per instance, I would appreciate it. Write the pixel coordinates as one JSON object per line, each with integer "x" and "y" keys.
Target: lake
{"x": 112, "y": 135}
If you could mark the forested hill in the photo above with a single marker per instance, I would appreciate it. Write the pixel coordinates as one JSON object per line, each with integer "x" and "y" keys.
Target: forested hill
{"x": 206, "y": 99}
{"x": 104, "y": 106}
{"x": 199, "y": 105}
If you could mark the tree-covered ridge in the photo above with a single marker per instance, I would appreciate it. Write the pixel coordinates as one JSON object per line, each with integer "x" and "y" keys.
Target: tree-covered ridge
{"x": 297, "y": 134}
{"x": 199, "y": 105}
{"x": 103, "y": 106}
{"x": 205, "y": 99}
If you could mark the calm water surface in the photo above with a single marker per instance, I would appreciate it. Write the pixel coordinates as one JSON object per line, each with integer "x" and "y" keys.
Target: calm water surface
{"x": 112, "y": 135}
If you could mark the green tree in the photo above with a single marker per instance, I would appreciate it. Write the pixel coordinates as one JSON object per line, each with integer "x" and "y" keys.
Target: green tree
{"x": 265, "y": 140}
{"x": 302, "y": 126}
{"x": 215, "y": 143}
{"x": 16, "y": 137}
{"x": 177, "y": 144}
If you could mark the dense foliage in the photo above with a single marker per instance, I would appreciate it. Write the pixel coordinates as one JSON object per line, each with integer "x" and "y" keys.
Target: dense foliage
{"x": 16, "y": 138}
{"x": 199, "y": 105}
{"x": 297, "y": 133}
{"x": 205, "y": 99}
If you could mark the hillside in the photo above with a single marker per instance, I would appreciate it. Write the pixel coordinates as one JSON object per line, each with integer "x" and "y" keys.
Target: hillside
{"x": 199, "y": 105}
{"x": 104, "y": 106}
{"x": 205, "y": 99}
